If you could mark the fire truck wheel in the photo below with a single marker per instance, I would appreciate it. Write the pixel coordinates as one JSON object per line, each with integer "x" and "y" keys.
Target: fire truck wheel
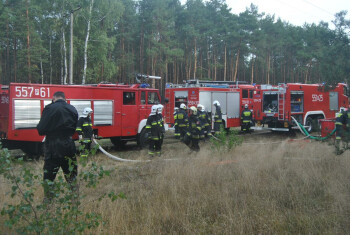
{"x": 142, "y": 140}
{"x": 33, "y": 150}
{"x": 118, "y": 143}
{"x": 309, "y": 122}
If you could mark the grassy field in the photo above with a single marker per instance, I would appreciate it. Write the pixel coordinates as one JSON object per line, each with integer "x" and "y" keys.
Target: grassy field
{"x": 267, "y": 185}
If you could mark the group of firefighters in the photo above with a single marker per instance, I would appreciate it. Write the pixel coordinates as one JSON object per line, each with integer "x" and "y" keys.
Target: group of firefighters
{"x": 342, "y": 125}
{"x": 196, "y": 124}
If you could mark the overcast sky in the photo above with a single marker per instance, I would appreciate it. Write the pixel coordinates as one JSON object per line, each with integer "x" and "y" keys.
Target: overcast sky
{"x": 296, "y": 12}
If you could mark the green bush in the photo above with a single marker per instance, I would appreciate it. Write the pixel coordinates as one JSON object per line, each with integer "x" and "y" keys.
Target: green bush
{"x": 63, "y": 214}
{"x": 226, "y": 140}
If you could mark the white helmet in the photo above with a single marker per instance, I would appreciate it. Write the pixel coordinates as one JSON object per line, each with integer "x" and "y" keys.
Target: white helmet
{"x": 182, "y": 106}
{"x": 194, "y": 110}
{"x": 154, "y": 110}
{"x": 176, "y": 108}
{"x": 199, "y": 106}
{"x": 86, "y": 112}
{"x": 216, "y": 103}
{"x": 246, "y": 106}
{"x": 160, "y": 108}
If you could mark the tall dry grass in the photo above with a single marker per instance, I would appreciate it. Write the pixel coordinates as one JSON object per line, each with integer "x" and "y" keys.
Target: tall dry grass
{"x": 281, "y": 187}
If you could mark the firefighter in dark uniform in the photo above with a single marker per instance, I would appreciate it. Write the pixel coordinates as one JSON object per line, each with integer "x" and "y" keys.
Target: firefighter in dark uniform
{"x": 154, "y": 126}
{"x": 58, "y": 123}
{"x": 85, "y": 131}
{"x": 182, "y": 120}
{"x": 160, "y": 117}
{"x": 217, "y": 117}
{"x": 347, "y": 132}
{"x": 204, "y": 120}
{"x": 340, "y": 120}
{"x": 194, "y": 129}
{"x": 176, "y": 124}
{"x": 246, "y": 119}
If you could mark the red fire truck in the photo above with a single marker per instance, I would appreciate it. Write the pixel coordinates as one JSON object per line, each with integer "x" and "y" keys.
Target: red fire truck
{"x": 232, "y": 96}
{"x": 307, "y": 103}
{"x": 120, "y": 111}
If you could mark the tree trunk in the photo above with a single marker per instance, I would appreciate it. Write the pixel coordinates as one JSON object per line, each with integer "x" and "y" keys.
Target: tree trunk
{"x": 41, "y": 71}
{"x": 225, "y": 62}
{"x": 208, "y": 59}
{"x": 15, "y": 59}
{"x": 86, "y": 42}
{"x": 28, "y": 43}
{"x": 50, "y": 55}
{"x": 215, "y": 66}
{"x": 236, "y": 65}
{"x": 252, "y": 73}
{"x": 268, "y": 68}
{"x": 64, "y": 57}
{"x": 7, "y": 60}
{"x": 195, "y": 59}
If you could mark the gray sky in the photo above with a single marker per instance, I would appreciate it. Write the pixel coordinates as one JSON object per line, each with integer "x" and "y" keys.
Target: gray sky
{"x": 296, "y": 12}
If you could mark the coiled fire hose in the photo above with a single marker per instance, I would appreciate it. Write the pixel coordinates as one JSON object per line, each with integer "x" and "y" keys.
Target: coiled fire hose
{"x": 307, "y": 134}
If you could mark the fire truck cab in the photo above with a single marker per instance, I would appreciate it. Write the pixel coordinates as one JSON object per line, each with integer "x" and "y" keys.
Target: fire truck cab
{"x": 307, "y": 103}
{"x": 119, "y": 111}
{"x": 196, "y": 92}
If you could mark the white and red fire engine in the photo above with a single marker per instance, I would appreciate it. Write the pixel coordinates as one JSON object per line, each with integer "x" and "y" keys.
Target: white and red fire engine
{"x": 120, "y": 111}
{"x": 232, "y": 98}
{"x": 307, "y": 103}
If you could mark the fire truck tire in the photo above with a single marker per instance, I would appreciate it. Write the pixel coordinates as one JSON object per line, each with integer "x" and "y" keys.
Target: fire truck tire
{"x": 118, "y": 143}
{"x": 142, "y": 139}
{"x": 33, "y": 150}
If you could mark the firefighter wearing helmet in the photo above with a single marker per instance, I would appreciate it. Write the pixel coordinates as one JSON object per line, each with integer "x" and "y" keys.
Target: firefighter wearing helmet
{"x": 246, "y": 119}
{"x": 204, "y": 121}
{"x": 182, "y": 120}
{"x": 160, "y": 117}
{"x": 194, "y": 130}
{"x": 347, "y": 132}
{"x": 340, "y": 120}
{"x": 176, "y": 124}
{"x": 154, "y": 127}
{"x": 85, "y": 131}
{"x": 217, "y": 117}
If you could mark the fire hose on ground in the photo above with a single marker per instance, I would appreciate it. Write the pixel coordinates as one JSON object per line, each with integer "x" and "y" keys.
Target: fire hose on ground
{"x": 115, "y": 157}
{"x": 307, "y": 134}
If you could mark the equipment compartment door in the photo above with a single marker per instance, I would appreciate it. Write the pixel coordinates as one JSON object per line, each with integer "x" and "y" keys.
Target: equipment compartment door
{"x": 181, "y": 97}
{"x": 333, "y": 101}
{"x": 233, "y": 104}
{"x": 130, "y": 114}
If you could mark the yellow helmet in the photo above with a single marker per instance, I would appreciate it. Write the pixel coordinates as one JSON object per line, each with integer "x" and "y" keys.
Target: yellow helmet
{"x": 194, "y": 110}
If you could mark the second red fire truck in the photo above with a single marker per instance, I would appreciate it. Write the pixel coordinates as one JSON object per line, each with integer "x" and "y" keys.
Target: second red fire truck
{"x": 232, "y": 98}
{"x": 307, "y": 103}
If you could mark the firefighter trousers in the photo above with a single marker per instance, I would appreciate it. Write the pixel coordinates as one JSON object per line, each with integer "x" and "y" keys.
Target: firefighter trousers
{"x": 51, "y": 167}
{"x": 155, "y": 146}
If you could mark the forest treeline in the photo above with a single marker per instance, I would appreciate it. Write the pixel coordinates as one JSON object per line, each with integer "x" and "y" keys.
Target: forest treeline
{"x": 114, "y": 39}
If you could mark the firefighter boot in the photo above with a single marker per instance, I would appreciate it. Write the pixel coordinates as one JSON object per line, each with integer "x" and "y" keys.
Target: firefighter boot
{"x": 338, "y": 151}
